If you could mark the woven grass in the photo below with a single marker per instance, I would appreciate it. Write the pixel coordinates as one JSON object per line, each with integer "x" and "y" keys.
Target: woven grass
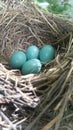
{"x": 34, "y": 101}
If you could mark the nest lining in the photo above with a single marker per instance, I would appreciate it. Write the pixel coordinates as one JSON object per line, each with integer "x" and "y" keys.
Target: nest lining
{"x": 32, "y": 93}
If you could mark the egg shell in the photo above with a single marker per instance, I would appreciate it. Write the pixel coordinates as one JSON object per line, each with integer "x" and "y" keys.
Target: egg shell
{"x": 47, "y": 53}
{"x": 17, "y": 59}
{"x": 31, "y": 66}
{"x": 32, "y": 52}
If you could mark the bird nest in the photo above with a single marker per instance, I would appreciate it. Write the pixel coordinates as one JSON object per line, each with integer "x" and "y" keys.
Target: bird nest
{"x": 34, "y": 101}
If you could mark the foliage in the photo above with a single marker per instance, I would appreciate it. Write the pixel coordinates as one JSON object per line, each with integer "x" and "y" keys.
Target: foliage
{"x": 64, "y": 7}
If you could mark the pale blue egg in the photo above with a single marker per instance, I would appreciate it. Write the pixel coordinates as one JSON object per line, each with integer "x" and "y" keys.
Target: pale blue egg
{"x": 17, "y": 59}
{"x": 31, "y": 66}
{"x": 32, "y": 52}
{"x": 47, "y": 53}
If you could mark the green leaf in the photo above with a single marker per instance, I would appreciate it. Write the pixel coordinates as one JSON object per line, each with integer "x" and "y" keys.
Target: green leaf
{"x": 70, "y": 129}
{"x": 41, "y": 1}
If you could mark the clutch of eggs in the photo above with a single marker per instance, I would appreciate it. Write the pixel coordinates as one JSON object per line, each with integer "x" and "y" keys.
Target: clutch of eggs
{"x": 31, "y": 61}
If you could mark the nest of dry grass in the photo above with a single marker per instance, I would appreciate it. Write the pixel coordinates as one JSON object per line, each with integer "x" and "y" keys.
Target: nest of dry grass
{"x": 26, "y": 100}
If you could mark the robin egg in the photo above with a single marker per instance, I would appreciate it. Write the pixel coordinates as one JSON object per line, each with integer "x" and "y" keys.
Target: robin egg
{"x": 31, "y": 66}
{"x": 17, "y": 59}
{"x": 32, "y": 52}
{"x": 47, "y": 53}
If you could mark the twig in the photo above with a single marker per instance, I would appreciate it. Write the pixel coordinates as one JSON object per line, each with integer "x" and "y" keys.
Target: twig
{"x": 51, "y": 123}
{"x": 65, "y": 100}
{"x": 12, "y": 126}
{"x": 30, "y": 126}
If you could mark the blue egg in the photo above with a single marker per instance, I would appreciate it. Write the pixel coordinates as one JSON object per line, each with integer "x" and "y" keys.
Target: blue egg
{"x": 31, "y": 66}
{"x": 32, "y": 52}
{"x": 47, "y": 53}
{"x": 17, "y": 59}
